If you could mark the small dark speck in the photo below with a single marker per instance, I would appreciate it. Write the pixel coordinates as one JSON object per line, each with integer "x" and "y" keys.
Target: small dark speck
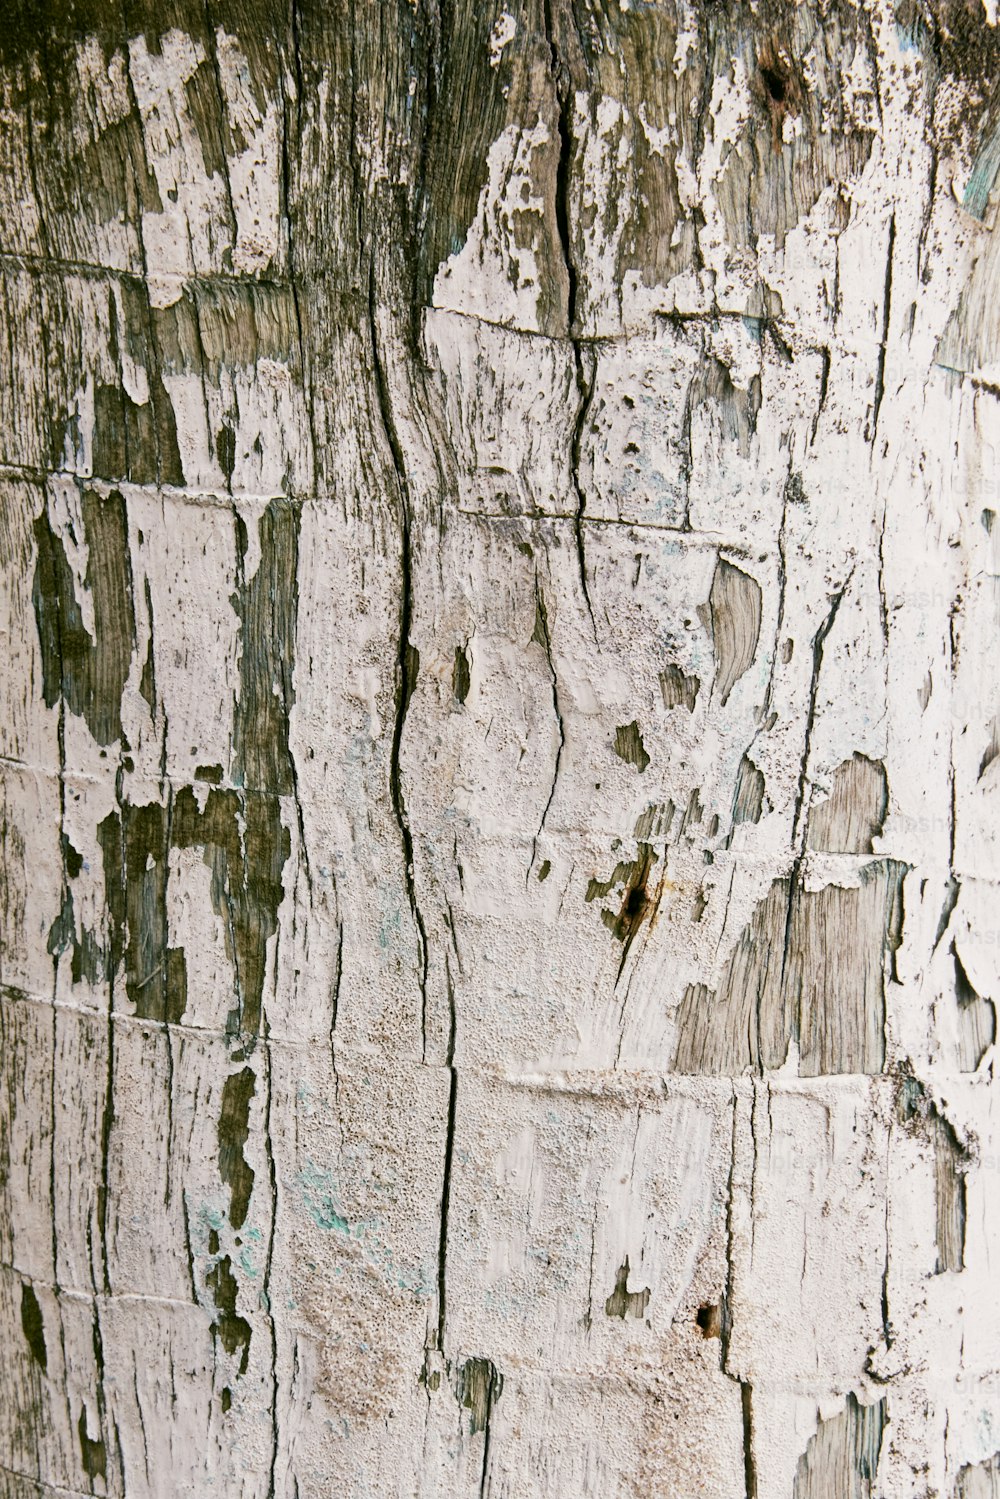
{"x": 543, "y": 873}
{"x": 709, "y": 1319}
{"x": 635, "y": 901}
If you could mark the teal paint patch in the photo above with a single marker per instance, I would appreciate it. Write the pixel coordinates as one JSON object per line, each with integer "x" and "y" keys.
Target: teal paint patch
{"x": 319, "y": 1193}
{"x": 983, "y": 177}
{"x": 321, "y": 1199}
{"x": 210, "y": 1218}
{"x": 246, "y": 1261}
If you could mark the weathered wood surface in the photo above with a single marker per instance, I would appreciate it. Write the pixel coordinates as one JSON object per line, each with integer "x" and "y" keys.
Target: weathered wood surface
{"x": 499, "y": 733}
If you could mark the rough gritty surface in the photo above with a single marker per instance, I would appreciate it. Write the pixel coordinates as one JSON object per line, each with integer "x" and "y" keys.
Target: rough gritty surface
{"x": 500, "y": 734}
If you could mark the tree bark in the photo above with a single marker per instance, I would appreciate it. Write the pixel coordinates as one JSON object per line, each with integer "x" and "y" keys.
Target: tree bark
{"x": 500, "y": 744}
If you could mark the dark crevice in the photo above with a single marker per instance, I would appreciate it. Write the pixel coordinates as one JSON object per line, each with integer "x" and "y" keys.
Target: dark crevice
{"x": 951, "y": 893}
{"x": 479, "y": 1387}
{"x": 286, "y": 190}
{"x": 725, "y": 1329}
{"x": 818, "y": 646}
{"x": 408, "y": 659}
{"x": 584, "y": 379}
{"x": 883, "y": 345}
{"x": 266, "y": 1296}
{"x": 564, "y": 134}
{"x": 824, "y": 386}
{"x": 541, "y": 636}
{"x": 749, "y": 1466}
{"x": 774, "y": 83}
{"x": 886, "y": 1320}
{"x": 449, "y": 1146}
{"x": 338, "y": 979}
{"x": 585, "y": 388}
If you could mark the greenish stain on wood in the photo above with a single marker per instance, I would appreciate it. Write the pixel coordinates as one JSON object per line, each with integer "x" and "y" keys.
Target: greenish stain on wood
{"x": 135, "y": 848}
{"x": 87, "y": 671}
{"x": 267, "y": 608}
{"x": 233, "y": 1128}
{"x": 233, "y": 1331}
{"x": 33, "y": 1326}
{"x": 245, "y": 846}
{"x": 480, "y": 1385}
{"x": 93, "y": 1450}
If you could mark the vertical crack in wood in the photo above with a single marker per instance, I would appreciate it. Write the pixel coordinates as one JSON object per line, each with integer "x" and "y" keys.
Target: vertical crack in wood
{"x": 818, "y": 646}
{"x": 749, "y": 1466}
{"x": 884, "y": 341}
{"x": 584, "y": 362}
{"x": 540, "y": 635}
{"x": 407, "y": 659}
{"x": 449, "y": 1148}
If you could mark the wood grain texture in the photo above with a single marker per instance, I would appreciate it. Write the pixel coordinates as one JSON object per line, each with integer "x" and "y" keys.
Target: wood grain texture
{"x": 499, "y": 825}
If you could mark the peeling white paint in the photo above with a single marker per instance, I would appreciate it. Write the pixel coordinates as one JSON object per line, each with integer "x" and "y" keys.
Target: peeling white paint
{"x": 464, "y": 978}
